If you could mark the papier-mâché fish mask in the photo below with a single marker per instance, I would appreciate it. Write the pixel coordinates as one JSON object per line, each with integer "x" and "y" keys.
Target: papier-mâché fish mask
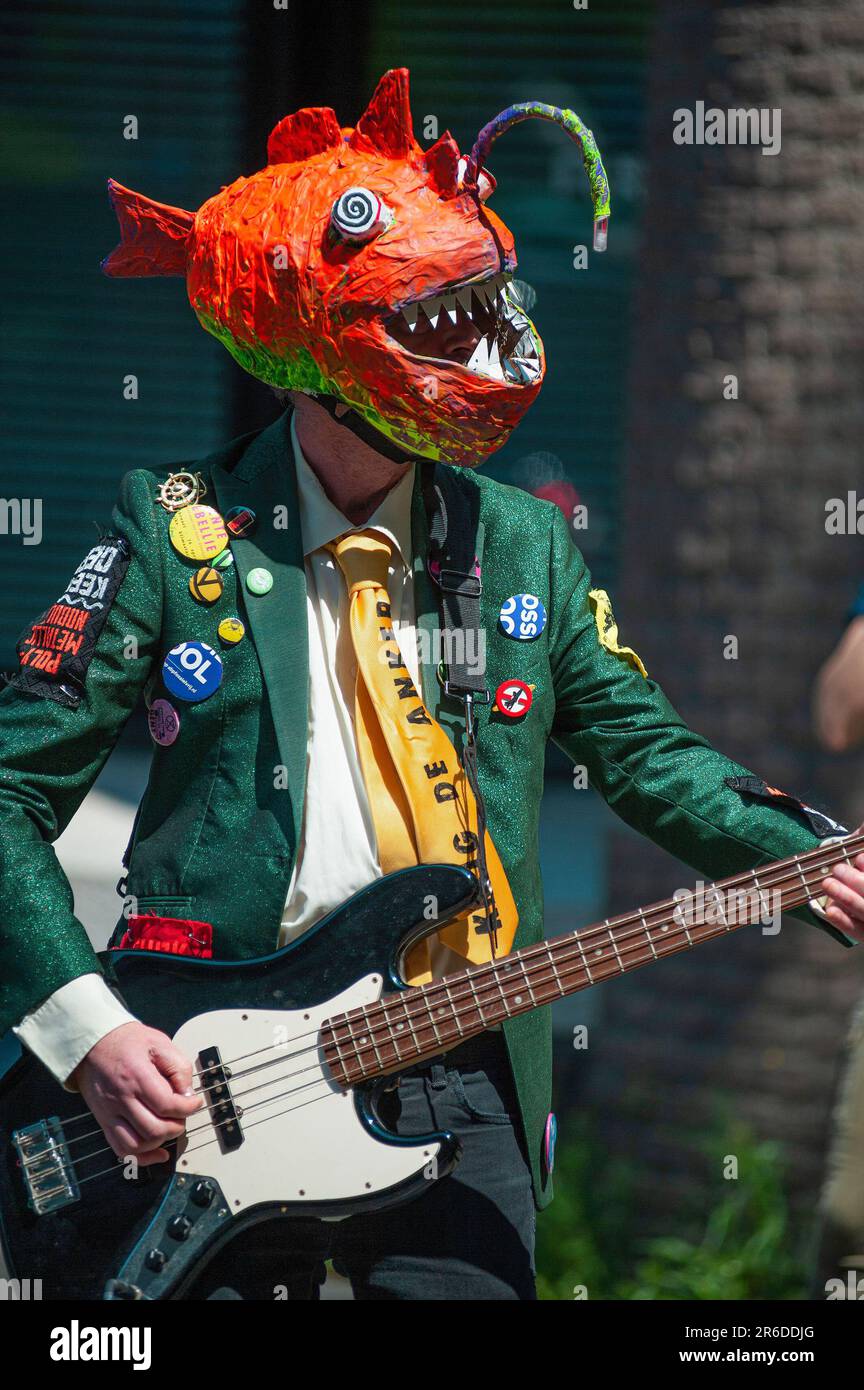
{"x": 359, "y": 266}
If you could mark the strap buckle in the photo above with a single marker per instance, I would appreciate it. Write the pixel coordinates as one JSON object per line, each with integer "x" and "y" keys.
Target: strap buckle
{"x": 477, "y": 697}
{"x": 468, "y": 585}
{"x": 469, "y": 698}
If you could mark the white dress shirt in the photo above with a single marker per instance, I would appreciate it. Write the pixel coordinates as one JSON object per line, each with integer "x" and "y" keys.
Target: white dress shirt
{"x": 321, "y": 878}
{"x": 62, "y": 1030}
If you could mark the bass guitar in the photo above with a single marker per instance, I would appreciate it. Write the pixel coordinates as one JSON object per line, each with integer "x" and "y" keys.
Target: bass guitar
{"x": 291, "y": 1052}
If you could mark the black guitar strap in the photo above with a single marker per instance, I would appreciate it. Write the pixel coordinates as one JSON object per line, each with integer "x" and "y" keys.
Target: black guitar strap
{"x": 452, "y": 513}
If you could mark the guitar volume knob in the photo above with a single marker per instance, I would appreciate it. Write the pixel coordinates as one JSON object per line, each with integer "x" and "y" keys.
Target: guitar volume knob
{"x": 202, "y": 1193}
{"x": 179, "y": 1227}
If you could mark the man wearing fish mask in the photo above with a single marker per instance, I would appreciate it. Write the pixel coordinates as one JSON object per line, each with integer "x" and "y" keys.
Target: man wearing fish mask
{"x": 369, "y": 280}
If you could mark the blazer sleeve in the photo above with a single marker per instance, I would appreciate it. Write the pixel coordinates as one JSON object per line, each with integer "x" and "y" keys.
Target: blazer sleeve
{"x": 657, "y": 774}
{"x": 50, "y": 756}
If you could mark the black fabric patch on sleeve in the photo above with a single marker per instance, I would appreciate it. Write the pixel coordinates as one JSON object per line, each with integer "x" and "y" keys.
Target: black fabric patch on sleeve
{"x": 55, "y": 651}
{"x": 819, "y": 823}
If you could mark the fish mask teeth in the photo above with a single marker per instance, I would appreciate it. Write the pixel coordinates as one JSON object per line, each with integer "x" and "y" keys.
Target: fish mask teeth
{"x": 497, "y": 340}
{"x": 464, "y": 298}
{"x": 431, "y": 308}
{"x": 479, "y": 359}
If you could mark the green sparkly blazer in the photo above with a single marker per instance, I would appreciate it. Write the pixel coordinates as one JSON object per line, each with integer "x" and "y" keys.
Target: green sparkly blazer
{"x": 215, "y": 840}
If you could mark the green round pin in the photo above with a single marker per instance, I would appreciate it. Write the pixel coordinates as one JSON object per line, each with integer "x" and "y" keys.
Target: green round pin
{"x": 259, "y": 581}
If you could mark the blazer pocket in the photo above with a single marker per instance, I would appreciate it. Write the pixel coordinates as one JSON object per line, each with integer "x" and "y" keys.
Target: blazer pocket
{"x": 161, "y": 904}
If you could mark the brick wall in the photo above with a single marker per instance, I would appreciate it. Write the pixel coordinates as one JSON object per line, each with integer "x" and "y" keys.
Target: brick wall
{"x": 751, "y": 265}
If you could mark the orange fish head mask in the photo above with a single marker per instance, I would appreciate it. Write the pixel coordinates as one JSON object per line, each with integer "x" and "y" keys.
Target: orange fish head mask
{"x": 358, "y": 266}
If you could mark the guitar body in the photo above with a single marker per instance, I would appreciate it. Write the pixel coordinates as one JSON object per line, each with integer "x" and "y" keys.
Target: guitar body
{"x": 278, "y": 1137}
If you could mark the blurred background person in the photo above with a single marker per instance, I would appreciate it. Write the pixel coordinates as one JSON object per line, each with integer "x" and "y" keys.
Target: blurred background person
{"x": 839, "y": 722}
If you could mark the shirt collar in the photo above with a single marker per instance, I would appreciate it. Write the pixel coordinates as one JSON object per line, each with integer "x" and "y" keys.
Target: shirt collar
{"x": 321, "y": 521}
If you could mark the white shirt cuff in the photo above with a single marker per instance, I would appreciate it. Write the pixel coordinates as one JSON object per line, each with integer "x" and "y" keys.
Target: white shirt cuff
{"x": 70, "y": 1021}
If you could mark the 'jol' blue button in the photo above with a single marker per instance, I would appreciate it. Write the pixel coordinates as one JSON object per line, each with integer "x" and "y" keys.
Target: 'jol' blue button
{"x": 522, "y": 617}
{"x": 192, "y": 671}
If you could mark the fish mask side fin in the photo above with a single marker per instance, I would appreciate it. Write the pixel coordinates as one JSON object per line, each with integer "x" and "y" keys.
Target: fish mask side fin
{"x": 303, "y": 133}
{"x": 153, "y": 236}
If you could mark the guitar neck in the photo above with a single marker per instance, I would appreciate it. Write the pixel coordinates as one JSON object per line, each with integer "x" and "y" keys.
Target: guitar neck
{"x": 421, "y": 1023}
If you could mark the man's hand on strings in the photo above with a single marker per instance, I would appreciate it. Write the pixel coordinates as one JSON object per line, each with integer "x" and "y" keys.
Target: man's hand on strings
{"x": 139, "y": 1088}
{"x": 844, "y": 888}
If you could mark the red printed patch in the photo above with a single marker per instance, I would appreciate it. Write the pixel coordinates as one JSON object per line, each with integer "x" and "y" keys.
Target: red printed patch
{"x": 56, "y": 650}
{"x": 176, "y": 935}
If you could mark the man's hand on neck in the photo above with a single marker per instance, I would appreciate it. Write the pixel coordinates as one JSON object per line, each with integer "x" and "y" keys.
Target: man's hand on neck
{"x": 354, "y": 477}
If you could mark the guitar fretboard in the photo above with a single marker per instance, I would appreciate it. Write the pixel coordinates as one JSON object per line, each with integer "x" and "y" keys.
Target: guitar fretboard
{"x": 419, "y": 1023}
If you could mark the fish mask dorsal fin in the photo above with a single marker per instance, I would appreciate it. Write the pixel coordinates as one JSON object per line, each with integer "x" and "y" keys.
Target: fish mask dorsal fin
{"x": 386, "y": 126}
{"x": 153, "y": 236}
{"x": 303, "y": 133}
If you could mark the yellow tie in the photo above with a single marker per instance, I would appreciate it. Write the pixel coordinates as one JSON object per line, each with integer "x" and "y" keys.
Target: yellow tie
{"x": 422, "y": 804}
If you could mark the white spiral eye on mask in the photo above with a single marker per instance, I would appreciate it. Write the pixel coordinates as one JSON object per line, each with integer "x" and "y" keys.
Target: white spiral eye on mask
{"x": 358, "y": 215}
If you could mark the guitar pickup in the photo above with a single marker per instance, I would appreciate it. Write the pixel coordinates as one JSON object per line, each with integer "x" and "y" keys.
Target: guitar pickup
{"x": 214, "y": 1078}
{"x": 46, "y": 1166}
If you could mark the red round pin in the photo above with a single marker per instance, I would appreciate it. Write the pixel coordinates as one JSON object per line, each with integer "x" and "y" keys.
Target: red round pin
{"x": 513, "y": 698}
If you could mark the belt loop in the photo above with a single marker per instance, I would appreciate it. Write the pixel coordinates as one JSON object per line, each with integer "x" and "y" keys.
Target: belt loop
{"x": 438, "y": 1076}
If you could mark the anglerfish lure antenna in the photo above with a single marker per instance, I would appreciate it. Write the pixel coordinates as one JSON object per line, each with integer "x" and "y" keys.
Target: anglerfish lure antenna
{"x": 576, "y": 129}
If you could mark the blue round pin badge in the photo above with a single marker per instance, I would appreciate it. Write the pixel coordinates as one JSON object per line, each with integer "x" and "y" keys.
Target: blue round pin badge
{"x": 522, "y": 617}
{"x": 192, "y": 671}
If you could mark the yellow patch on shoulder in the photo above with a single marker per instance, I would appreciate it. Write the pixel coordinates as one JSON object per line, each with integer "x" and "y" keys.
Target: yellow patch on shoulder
{"x": 607, "y": 630}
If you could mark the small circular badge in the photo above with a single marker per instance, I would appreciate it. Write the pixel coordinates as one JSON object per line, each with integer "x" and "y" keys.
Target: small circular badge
{"x": 513, "y": 698}
{"x": 163, "y": 722}
{"x": 198, "y": 533}
{"x": 241, "y": 521}
{"x": 205, "y": 585}
{"x": 259, "y": 581}
{"x": 231, "y": 631}
{"x": 192, "y": 671}
{"x": 223, "y": 561}
{"x": 522, "y": 617}
{"x": 180, "y": 490}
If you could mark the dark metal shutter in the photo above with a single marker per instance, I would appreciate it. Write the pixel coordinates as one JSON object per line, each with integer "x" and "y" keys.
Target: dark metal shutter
{"x": 71, "y": 73}
{"x": 470, "y": 62}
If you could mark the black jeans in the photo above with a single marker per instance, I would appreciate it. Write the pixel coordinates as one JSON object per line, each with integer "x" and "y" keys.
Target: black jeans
{"x": 470, "y": 1236}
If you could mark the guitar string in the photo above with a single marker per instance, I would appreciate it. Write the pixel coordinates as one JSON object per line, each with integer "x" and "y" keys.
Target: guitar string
{"x": 79, "y": 1139}
{"x": 645, "y": 921}
{"x": 580, "y": 965}
{"x": 113, "y": 1168}
{"x": 541, "y": 965}
{"x": 830, "y": 853}
{"x": 120, "y": 1162}
{"x": 579, "y": 940}
{"x": 530, "y": 953}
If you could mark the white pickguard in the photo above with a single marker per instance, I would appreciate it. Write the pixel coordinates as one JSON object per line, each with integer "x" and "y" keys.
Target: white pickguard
{"x": 303, "y": 1141}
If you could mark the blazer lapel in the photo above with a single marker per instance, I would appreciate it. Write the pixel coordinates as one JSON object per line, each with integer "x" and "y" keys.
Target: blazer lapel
{"x": 265, "y": 480}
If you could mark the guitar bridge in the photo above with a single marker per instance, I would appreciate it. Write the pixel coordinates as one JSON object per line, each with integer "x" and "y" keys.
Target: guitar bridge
{"x": 225, "y": 1115}
{"x": 46, "y": 1166}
